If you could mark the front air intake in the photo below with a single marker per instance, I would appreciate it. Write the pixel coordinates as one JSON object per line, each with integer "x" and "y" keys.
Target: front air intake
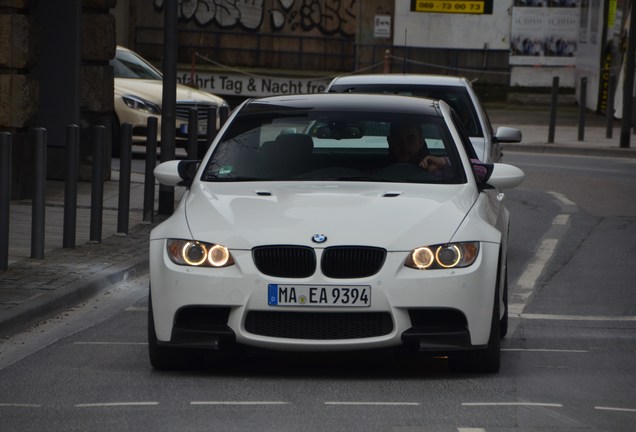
{"x": 285, "y": 261}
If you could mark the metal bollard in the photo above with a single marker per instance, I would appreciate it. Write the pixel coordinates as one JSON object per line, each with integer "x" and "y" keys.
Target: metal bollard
{"x": 70, "y": 186}
{"x": 5, "y": 197}
{"x": 123, "y": 207}
{"x": 38, "y": 209}
{"x": 634, "y": 115}
{"x": 553, "y": 109}
{"x": 193, "y": 130}
{"x": 582, "y": 108}
{"x": 609, "y": 111}
{"x": 97, "y": 186}
{"x": 224, "y": 113}
{"x": 151, "y": 162}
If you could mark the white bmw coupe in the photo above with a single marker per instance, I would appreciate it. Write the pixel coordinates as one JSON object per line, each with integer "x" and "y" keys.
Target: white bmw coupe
{"x": 333, "y": 222}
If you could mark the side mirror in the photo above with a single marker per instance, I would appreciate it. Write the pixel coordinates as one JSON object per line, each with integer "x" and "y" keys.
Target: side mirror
{"x": 505, "y": 176}
{"x": 176, "y": 172}
{"x": 508, "y": 135}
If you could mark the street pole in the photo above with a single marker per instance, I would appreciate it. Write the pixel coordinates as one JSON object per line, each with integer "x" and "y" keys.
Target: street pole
{"x": 169, "y": 100}
{"x": 628, "y": 86}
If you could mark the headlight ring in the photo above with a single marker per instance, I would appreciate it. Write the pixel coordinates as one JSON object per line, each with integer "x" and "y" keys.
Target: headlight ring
{"x": 445, "y": 256}
{"x": 195, "y": 253}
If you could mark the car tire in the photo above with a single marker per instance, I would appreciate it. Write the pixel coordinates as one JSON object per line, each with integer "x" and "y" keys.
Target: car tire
{"x": 164, "y": 358}
{"x": 503, "y": 324}
{"x": 486, "y": 360}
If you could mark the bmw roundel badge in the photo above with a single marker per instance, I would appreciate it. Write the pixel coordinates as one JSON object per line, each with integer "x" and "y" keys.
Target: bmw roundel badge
{"x": 319, "y": 238}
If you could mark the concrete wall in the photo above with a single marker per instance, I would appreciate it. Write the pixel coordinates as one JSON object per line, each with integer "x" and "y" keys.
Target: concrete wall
{"x": 54, "y": 71}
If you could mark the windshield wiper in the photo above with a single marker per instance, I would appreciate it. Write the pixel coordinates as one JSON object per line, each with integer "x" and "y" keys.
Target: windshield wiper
{"x": 211, "y": 178}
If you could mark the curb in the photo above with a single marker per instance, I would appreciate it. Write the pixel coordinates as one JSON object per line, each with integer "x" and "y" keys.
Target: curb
{"x": 629, "y": 153}
{"x": 24, "y": 315}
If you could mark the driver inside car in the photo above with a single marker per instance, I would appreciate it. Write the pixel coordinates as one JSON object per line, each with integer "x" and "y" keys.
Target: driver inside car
{"x": 407, "y": 146}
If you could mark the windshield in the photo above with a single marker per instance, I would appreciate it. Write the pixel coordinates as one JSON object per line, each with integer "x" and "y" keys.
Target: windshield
{"x": 455, "y": 96}
{"x": 127, "y": 64}
{"x": 311, "y": 145}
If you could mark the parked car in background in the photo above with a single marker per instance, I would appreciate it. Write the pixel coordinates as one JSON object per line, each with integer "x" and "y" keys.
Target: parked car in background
{"x": 300, "y": 231}
{"x": 455, "y": 91}
{"x": 138, "y": 95}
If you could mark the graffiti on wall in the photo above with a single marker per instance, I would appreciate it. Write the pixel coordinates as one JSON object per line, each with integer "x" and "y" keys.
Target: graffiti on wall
{"x": 330, "y": 17}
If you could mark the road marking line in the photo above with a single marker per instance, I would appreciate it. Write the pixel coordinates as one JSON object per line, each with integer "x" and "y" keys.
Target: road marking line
{"x": 544, "y": 350}
{"x": 532, "y": 272}
{"x": 20, "y": 405}
{"x": 552, "y": 317}
{"x": 110, "y": 343}
{"x": 526, "y": 282}
{"x": 529, "y": 404}
{"x": 562, "y": 198}
{"x": 561, "y": 219}
{"x": 470, "y": 429}
{"x": 239, "y": 403}
{"x": 374, "y": 403}
{"x": 615, "y": 409}
{"x": 115, "y": 404}
{"x": 136, "y": 309}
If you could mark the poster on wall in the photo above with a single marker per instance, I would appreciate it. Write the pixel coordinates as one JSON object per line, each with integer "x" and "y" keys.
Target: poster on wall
{"x": 544, "y": 32}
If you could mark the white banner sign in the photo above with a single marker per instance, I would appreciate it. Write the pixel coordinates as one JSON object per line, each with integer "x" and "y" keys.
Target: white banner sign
{"x": 544, "y": 36}
{"x": 251, "y": 85}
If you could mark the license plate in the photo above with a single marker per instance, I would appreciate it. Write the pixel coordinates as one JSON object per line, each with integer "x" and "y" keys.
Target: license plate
{"x": 201, "y": 129}
{"x": 312, "y": 295}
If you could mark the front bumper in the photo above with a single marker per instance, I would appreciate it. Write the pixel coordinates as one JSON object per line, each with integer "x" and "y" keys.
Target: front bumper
{"x": 432, "y": 310}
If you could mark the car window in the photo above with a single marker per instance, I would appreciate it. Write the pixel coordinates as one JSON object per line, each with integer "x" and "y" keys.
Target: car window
{"x": 456, "y": 96}
{"x": 468, "y": 145}
{"x": 128, "y": 65}
{"x": 322, "y": 146}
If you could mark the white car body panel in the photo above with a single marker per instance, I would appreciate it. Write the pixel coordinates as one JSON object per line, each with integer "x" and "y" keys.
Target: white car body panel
{"x": 238, "y": 214}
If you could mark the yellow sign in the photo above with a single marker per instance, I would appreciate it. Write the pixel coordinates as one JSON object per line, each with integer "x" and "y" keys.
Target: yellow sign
{"x": 450, "y": 6}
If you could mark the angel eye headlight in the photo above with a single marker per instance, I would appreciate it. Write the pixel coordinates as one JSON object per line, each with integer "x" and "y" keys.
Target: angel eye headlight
{"x": 446, "y": 256}
{"x": 218, "y": 256}
{"x": 194, "y": 253}
{"x": 422, "y": 258}
{"x": 198, "y": 254}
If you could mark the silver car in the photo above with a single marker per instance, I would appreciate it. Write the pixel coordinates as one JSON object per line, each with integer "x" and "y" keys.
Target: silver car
{"x": 456, "y": 91}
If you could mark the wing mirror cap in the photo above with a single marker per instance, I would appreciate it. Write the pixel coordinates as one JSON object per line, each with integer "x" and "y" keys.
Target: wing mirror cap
{"x": 176, "y": 172}
{"x": 505, "y": 176}
{"x": 508, "y": 135}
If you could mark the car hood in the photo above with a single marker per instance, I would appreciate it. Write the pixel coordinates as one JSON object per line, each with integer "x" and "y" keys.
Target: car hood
{"x": 395, "y": 217}
{"x": 152, "y": 90}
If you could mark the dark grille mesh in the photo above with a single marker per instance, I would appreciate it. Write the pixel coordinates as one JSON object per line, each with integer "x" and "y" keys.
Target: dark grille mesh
{"x": 346, "y": 262}
{"x": 341, "y": 262}
{"x": 319, "y": 325}
{"x": 285, "y": 261}
{"x": 183, "y": 111}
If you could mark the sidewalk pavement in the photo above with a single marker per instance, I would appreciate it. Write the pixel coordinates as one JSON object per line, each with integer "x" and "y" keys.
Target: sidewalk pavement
{"x": 32, "y": 290}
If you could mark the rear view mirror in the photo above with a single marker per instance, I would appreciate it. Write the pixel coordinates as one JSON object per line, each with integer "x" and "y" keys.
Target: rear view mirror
{"x": 339, "y": 132}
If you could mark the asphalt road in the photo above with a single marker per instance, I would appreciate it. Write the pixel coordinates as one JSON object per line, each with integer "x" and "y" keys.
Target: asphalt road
{"x": 569, "y": 362}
